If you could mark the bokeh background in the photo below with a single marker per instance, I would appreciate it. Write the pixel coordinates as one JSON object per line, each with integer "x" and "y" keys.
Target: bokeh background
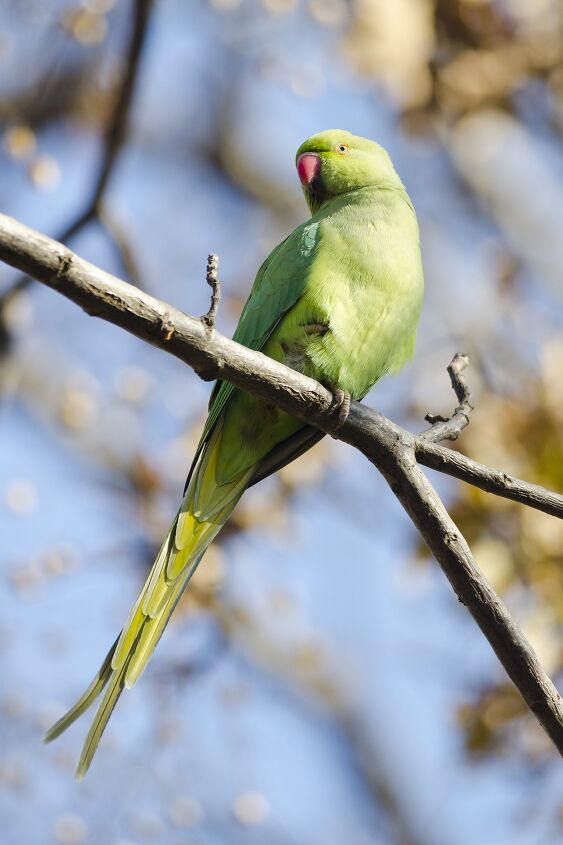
{"x": 320, "y": 683}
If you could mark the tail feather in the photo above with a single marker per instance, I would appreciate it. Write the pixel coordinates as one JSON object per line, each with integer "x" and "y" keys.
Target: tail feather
{"x": 176, "y": 562}
{"x": 159, "y": 567}
{"x": 129, "y": 671}
{"x": 186, "y": 563}
{"x": 153, "y": 629}
{"x": 129, "y": 634}
{"x": 85, "y": 699}
{"x": 106, "y": 708}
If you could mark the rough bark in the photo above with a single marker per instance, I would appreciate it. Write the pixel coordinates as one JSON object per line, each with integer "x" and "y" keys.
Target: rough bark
{"x": 392, "y": 449}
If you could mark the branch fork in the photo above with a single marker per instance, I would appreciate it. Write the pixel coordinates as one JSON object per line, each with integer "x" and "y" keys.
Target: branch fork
{"x": 396, "y": 452}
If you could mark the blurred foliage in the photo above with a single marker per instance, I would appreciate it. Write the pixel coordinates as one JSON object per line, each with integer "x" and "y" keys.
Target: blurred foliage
{"x": 441, "y": 58}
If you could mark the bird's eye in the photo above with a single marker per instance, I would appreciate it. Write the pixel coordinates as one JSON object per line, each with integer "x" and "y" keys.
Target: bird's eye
{"x": 342, "y": 149}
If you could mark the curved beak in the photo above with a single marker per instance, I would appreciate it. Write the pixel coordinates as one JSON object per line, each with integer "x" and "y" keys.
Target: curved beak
{"x": 308, "y": 168}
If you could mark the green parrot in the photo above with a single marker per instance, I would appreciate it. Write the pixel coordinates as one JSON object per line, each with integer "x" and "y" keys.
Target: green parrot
{"x": 338, "y": 300}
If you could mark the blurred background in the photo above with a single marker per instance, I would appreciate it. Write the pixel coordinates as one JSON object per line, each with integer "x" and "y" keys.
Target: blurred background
{"x": 319, "y": 683}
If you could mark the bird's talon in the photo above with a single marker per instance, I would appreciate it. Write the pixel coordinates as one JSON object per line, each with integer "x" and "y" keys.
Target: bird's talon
{"x": 340, "y": 406}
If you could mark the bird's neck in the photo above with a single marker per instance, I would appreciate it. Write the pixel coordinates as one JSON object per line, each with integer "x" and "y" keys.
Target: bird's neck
{"x": 370, "y": 195}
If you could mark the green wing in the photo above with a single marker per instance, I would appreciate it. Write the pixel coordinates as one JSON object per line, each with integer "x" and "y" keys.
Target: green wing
{"x": 279, "y": 283}
{"x": 256, "y": 323}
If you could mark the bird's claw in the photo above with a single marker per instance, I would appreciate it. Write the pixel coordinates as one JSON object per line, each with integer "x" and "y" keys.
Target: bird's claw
{"x": 340, "y": 406}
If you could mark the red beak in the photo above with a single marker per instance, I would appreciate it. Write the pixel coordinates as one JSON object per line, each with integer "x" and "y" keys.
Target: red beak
{"x": 308, "y": 167}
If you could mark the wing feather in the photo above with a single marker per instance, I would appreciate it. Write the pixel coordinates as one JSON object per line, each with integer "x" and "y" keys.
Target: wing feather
{"x": 279, "y": 283}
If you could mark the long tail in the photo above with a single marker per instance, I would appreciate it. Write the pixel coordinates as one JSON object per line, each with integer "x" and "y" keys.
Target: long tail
{"x": 205, "y": 509}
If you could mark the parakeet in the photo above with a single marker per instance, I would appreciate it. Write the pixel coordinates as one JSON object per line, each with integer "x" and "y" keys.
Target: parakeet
{"x": 338, "y": 300}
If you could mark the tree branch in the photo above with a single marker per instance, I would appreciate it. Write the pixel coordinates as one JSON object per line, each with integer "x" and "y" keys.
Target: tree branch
{"x": 393, "y": 450}
{"x": 449, "y": 428}
{"x": 118, "y": 238}
{"x": 114, "y": 137}
{"x": 117, "y": 126}
{"x": 450, "y": 549}
{"x": 489, "y": 479}
{"x": 211, "y": 278}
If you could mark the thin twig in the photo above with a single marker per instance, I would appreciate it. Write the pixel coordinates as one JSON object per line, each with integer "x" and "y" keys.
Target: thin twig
{"x": 116, "y": 234}
{"x": 209, "y": 318}
{"x": 114, "y": 137}
{"x": 117, "y": 127}
{"x": 489, "y": 479}
{"x": 390, "y": 448}
{"x": 486, "y": 478}
{"x": 449, "y": 428}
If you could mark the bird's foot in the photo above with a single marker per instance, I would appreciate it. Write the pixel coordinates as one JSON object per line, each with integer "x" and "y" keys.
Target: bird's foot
{"x": 340, "y": 406}
{"x": 316, "y": 328}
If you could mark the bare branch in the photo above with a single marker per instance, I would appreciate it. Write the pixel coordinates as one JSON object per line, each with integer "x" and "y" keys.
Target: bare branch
{"x": 118, "y": 237}
{"x": 117, "y": 126}
{"x": 212, "y": 280}
{"x": 487, "y": 478}
{"x": 24, "y": 280}
{"x": 390, "y": 448}
{"x": 113, "y": 141}
{"x": 450, "y": 549}
{"x": 449, "y": 428}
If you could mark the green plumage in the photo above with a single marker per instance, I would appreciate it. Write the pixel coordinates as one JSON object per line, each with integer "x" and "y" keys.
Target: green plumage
{"x": 338, "y": 300}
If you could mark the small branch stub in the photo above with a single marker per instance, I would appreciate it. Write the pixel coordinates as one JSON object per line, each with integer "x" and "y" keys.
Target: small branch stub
{"x": 167, "y": 328}
{"x": 455, "y": 369}
{"x": 449, "y": 428}
{"x": 208, "y": 319}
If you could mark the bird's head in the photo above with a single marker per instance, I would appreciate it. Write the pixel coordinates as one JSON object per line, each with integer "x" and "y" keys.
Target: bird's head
{"x": 336, "y": 162}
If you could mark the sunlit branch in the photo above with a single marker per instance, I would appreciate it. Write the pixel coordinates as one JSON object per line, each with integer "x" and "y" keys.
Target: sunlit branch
{"x": 393, "y": 450}
{"x": 449, "y": 428}
{"x": 489, "y": 479}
